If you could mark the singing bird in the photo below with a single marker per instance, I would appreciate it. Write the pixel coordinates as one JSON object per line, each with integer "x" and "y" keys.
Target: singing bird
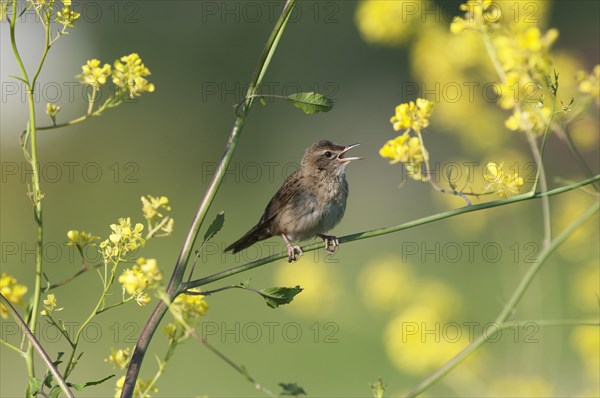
{"x": 311, "y": 201}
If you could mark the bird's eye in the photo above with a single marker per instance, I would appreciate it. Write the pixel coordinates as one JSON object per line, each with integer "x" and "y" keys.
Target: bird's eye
{"x": 327, "y": 154}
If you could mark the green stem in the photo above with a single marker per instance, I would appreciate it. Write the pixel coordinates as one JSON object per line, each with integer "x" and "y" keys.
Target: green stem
{"x": 71, "y": 363}
{"x": 509, "y": 307}
{"x": 37, "y": 193}
{"x": 175, "y": 283}
{"x": 388, "y": 230}
{"x": 38, "y": 347}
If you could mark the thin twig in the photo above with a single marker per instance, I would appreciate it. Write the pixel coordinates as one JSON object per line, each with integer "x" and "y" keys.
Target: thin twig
{"x": 38, "y": 347}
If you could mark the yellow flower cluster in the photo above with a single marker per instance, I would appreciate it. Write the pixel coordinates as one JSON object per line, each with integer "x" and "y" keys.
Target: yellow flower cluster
{"x": 412, "y": 115}
{"x": 123, "y": 240}
{"x": 12, "y": 291}
{"x": 80, "y": 238}
{"x": 66, "y": 16}
{"x": 152, "y": 207}
{"x": 139, "y": 391}
{"x": 405, "y": 148}
{"x": 129, "y": 75}
{"x": 521, "y": 53}
{"x": 145, "y": 274}
{"x": 590, "y": 83}
{"x": 50, "y": 305}
{"x": 501, "y": 183}
{"x": 119, "y": 358}
{"x": 188, "y": 308}
{"x": 94, "y": 74}
{"x": 409, "y": 151}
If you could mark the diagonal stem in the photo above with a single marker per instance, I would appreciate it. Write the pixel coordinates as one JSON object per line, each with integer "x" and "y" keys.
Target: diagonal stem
{"x": 174, "y": 286}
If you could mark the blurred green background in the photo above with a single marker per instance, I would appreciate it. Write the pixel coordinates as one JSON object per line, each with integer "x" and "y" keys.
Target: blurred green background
{"x": 357, "y": 304}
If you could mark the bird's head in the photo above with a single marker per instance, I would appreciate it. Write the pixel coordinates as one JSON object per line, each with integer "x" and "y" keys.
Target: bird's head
{"x": 328, "y": 157}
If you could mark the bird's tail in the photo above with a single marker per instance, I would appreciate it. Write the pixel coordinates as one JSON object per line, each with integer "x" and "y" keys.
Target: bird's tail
{"x": 256, "y": 234}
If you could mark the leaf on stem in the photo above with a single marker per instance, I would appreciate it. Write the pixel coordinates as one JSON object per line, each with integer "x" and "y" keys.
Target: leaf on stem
{"x": 215, "y": 226}
{"x": 81, "y": 386}
{"x": 291, "y": 389}
{"x": 276, "y": 296}
{"x": 310, "y": 102}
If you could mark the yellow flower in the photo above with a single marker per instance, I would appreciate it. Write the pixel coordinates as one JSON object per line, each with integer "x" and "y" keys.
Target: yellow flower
{"x": 129, "y": 75}
{"x": 123, "y": 240}
{"x": 66, "y": 17}
{"x": 52, "y": 110}
{"x": 500, "y": 182}
{"x": 387, "y": 22}
{"x": 189, "y": 307}
{"x": 94, "y": 74}
{"x": 133, "y": 281}
{"x": 379, "y": 281}
{"x": 590, "y": 84}
{"x": 149, "y": 267}
{"x": 50, "y": 305}
{"x": 409, "y": 151}
{"x": 142, "y": 299}
{"x": 119, "y": 358}
{"x": 412, "y": 115}
{"x": 12, "y": 291}
{"x": 152, "y": 205}
{"x": 77, "y": 238}
{"x": 140, "y": 386}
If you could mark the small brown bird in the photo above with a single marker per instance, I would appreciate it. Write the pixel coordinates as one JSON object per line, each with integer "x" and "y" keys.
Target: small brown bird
{"x": 311, "y": 201}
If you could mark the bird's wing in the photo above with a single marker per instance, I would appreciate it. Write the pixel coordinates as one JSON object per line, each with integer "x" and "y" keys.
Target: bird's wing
{"x": 281, "y": 199}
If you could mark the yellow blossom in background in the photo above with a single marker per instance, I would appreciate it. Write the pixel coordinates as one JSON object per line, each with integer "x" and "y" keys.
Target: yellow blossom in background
{"x": 321, "y": 295}
{"x": 142, "y": 299}
{"x": 119, "y": 359}
{"x": 380, "y": 280}
{"x": 52, "y": 110}
{"x": 12, "y": 291}
{"x": 3, "y": 10}
{"x": 388, "y": 23}
{"x": 502, "y": 182}
{"x": 149, "y": 267}
{"x": 477, "y": 14}
{"x": 94, "y": 74}
{"x": 188, "y": 308}
{"x": 141, "y": 386}
{"x": 585, "y": 286}
{"x": 419, "y": 340}
{"x": 586, "y": 341}
{"x": 50, "y": 305}
{"x": 129, "y": 75}
{"x": 409, "y": 151}
{"x": 412, "y": 115}
{"x": 589, "y": 83}
{"x": 528, "y": 120}
{"x": 133, "y": 280}
{"x": 520, "y": 386}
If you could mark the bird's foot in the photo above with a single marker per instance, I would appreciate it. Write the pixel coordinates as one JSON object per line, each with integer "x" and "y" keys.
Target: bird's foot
{"x": 291, "y": 251}
{"x": 331, "y": 243}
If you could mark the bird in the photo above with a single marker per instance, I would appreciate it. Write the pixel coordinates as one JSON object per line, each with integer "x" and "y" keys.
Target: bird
{"x": 311, "y": 201}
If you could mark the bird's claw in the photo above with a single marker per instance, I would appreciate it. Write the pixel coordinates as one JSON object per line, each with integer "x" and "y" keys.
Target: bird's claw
{"x": 331, "y": 243}
{"x": 291, "y": 251}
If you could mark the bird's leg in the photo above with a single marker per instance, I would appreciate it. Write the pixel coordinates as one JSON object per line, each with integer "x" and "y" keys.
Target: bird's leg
{"x": 330, "y": 239}
{"x": 291, "y": 249}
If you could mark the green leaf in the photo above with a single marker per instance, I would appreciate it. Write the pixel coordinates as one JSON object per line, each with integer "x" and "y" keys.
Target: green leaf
{"x": 215, "y": 226}
{"x": 34, "y": 385}
{"x": 310, "y": 102}
{"x": 55, "y": 392}
{"x": 276, "y": 296}
{"x": 292, "y": 389}
{"x": 81, "y": 386}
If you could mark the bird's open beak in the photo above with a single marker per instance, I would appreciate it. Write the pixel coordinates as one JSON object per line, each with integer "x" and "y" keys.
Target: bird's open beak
{"x": 341, "y": 157}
